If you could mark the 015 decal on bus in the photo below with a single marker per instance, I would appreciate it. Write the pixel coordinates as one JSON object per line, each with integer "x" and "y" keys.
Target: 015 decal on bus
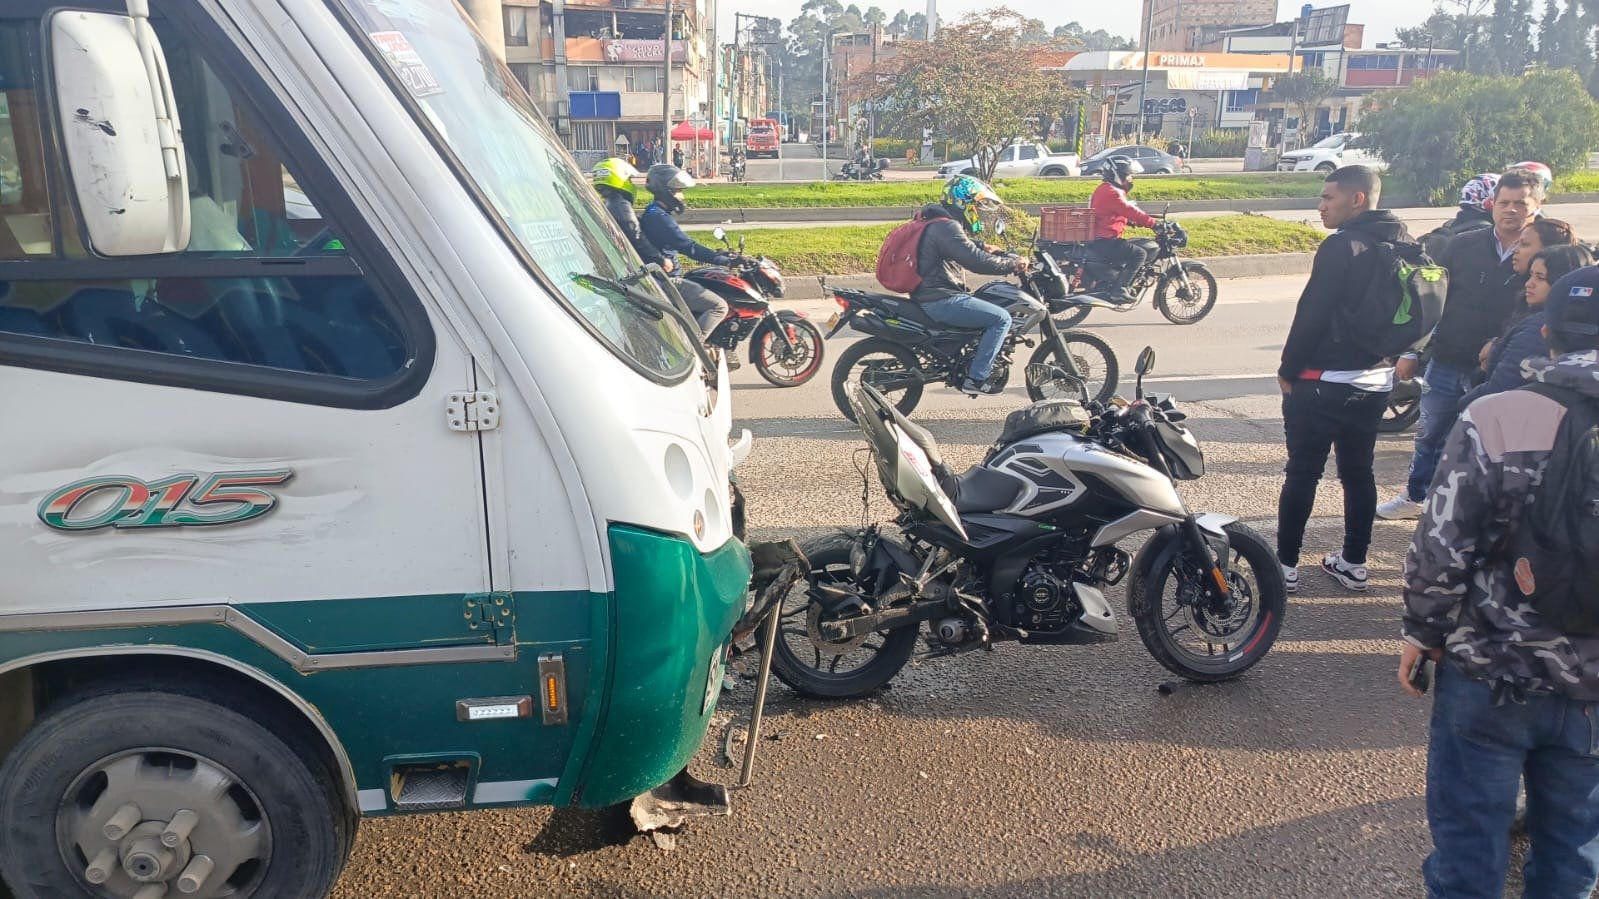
{"x": 184, "y": 500}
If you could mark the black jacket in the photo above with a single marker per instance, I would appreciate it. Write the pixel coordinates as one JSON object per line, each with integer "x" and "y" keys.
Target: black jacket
{"x": 1483, "y": 292}
{"x": 620, "y": 206}
{"x": 944, "y": 252}
{"x": 1436, "y": 242}
{"x": 1344, "y": 268}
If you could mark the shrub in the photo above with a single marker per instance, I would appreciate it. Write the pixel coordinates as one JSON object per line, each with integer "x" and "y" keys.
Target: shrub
{"x": 1225, "y": 143}
{"x": 1442, "y": 131}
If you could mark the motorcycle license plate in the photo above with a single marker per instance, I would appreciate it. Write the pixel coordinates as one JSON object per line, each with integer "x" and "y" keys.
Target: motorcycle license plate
{"x": 832, "y": 322}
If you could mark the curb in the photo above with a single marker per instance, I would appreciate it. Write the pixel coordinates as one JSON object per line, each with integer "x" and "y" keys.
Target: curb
{"x": 803, "y": 214}
{"x": 1265, "y": 265}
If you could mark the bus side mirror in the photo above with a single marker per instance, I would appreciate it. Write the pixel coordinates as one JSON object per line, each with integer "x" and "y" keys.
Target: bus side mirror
{"x": 120, "y": 128}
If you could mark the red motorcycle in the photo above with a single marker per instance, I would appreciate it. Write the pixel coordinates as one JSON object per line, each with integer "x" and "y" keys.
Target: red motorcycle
{"x": 785, "y": 346}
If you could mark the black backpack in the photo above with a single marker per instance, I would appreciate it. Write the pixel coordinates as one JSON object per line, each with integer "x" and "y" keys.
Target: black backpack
{"x": 1401, "y": 305}
{"x": 1553, "y": 549}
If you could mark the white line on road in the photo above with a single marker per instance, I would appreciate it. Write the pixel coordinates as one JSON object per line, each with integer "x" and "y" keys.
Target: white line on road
{"x": 1178, "y": 379}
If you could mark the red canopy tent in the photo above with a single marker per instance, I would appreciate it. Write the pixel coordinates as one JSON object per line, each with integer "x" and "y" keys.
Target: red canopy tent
{"x": 689, "y": 132}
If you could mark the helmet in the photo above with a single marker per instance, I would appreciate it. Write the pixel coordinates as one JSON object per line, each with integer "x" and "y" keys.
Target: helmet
{"x": 1120, "y": 169}
{"x": 615, "y": 173}
{"x": 1479, "y": 191}
{"x": 1543, "y": 172}
{"x": 970, "y": 198}
{"x": 667, "y": 183}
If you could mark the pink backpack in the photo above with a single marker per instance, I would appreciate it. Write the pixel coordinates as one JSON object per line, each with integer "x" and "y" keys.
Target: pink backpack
{"x": 896, "y": 261}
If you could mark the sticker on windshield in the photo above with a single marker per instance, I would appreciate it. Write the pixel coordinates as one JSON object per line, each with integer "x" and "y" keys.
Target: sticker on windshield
{"x": 403, "y": 58}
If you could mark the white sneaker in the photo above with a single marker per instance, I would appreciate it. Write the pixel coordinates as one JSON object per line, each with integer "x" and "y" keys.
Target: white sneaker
{"x": 1400, "y": 508}
{"x": 1291, "y": 575}
{"x": 1353, "y": 577}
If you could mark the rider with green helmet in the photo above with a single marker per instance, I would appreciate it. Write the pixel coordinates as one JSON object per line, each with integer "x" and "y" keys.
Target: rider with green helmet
{"x": 946, "y": 250}
{"x": 613, "y": 178}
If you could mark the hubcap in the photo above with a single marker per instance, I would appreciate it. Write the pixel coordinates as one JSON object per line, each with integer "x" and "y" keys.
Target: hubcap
{"x": 163, "y": 823}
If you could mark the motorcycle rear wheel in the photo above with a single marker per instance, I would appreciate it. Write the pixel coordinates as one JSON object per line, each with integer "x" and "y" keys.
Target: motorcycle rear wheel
{"x": 1094, "y": 359}
{"x": 811, "y": 667}
{"x": 882, "y": 362}
{"x": 801, "y": 361}
{"x": 1399, "y": 417}
{"x": 1189, "y": 640}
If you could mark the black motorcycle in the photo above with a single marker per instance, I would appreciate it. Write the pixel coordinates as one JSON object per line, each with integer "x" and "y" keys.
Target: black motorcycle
{"x": 857, "y": 171}
{"x": 1023, "y": 546}
{"x": 1184, "y": 291}
{"x": 907, "y": 350}
{"x": 785, "y": 346}
{"x": 737, "y": 170}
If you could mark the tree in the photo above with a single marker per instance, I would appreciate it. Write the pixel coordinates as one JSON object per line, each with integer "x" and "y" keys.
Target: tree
{"x": 902, "y": 22}
{"x": 1305, "y": 92}
{"x": 977, "y": 82}
{"x": 1443, "y": 130}
{"x": 1548, "y": 30}
{"x": 1098, "y": 39}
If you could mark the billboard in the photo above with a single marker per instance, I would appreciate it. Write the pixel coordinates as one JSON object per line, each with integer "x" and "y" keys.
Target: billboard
{"x": 1325, "y": 26}
{"x": 641, "y": 51}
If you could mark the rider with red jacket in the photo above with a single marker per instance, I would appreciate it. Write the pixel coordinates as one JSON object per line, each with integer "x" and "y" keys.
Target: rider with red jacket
{"x": 1113, "y": 212}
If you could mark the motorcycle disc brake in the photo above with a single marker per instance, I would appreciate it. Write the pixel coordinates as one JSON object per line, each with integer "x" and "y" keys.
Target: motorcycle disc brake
{"x": 1220, "y": 628}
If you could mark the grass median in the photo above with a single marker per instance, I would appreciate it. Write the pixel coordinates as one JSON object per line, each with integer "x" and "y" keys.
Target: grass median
{"x": 852, "y": 249}
{"x": 1151, "y": 189}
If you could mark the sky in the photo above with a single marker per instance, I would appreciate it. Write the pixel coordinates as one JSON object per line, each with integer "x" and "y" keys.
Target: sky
{"x": 1380, "y": 17}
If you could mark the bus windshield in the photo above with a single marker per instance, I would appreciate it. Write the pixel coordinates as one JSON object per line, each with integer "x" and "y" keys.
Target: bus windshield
{"x": 500, "y": 141}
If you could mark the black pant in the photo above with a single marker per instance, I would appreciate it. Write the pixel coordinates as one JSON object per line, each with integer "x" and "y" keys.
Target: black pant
{"x": 1319, "y": 417}
{"x": 1123, "y": 257}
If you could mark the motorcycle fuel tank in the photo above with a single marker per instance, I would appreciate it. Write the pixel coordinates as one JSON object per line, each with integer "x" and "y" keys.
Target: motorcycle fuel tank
{"x": 1078, "y": 463}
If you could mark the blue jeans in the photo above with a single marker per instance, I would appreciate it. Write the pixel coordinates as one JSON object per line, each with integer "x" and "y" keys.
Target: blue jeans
{"x": 1440, "y": 407}
{"x": 1476, "y": 757}
{"x": 970, "y": 312}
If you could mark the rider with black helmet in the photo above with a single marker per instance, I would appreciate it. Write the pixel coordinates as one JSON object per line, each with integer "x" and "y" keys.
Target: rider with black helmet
{"x": 1113, "y": 212}
{"x": 666, "y": 183}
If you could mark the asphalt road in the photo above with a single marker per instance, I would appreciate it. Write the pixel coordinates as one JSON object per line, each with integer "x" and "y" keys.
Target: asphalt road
{"x": 1037, "y": 771}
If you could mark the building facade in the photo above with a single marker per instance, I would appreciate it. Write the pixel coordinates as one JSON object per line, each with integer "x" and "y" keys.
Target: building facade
{"x": 596, "y": 68}
{"x": 1186, "y": 25}
{"x": 1187, "y": 93}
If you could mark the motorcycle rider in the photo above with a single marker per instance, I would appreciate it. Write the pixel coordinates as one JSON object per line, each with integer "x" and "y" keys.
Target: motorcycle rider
{"x": 613, "y": 179}
{"x": 666, "y": 184}
{"x": 946, "y": 248}
{"x": 1113, "y": 212}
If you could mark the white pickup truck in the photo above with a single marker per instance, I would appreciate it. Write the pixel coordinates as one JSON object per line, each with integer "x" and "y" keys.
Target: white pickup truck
{"x": 1022, "y": 159}
{"x": 1329, "y": 153}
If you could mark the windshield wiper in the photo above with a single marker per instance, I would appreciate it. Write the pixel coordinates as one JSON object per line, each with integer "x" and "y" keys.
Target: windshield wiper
{"x": 652, "y": 307}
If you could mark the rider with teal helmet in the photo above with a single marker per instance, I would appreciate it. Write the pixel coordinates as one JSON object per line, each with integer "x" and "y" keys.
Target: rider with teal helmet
{"x": 945, "y": 251}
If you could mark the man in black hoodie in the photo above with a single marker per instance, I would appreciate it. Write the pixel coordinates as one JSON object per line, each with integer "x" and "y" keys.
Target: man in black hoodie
{"x": 1334, "y": 386}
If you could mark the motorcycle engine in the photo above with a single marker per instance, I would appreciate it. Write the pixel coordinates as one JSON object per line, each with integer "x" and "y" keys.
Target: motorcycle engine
{"x": 1043, "y": 601}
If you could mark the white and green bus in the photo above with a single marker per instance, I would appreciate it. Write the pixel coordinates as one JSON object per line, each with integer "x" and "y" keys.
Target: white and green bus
{"x": 349, "y": 466}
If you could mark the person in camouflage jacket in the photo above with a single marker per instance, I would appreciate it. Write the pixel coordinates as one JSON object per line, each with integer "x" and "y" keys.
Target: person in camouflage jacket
{"x": 1515, "y": 697}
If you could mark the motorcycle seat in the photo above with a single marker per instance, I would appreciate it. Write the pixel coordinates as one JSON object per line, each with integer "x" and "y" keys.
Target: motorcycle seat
{"x": 980, "y": 489}
{"x": 896, "y": 306}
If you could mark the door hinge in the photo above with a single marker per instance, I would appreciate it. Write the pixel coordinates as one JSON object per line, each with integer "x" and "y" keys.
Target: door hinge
{"x": 472, "y": 411}
{"x": 490, "y": 613}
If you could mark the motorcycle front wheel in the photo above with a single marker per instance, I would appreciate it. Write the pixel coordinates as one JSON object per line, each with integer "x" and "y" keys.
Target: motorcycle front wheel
{"x": 1185, "y": 302}
{"x": 885, "y": 365}
{"x": 1093, "y": 358}
{"x": 827, "y": 670}
{"x": 791, "y": 364}
{"x": 1189, "y": 637}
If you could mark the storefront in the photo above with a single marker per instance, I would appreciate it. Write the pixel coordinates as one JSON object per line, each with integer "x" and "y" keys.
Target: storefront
{"x": 1187, "y": 92}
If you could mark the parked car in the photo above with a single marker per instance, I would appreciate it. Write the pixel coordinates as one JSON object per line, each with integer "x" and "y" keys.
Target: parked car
{"x": 1329, "y": 153}
{"x": 1022, "y": 159}
{"x": 1153, "y": 161}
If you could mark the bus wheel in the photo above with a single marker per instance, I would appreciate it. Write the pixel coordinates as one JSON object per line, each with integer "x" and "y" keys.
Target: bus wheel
{"x": 141, "y": 791}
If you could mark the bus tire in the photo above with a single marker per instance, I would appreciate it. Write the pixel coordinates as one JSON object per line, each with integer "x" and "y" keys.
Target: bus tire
{"x": 60, "y": 787}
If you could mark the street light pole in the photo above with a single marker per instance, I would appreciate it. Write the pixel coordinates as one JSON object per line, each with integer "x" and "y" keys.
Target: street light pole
{"x": 827, "y": 48}
{"x": 1143, "y": 91}
{"x": 666, "y": 86}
